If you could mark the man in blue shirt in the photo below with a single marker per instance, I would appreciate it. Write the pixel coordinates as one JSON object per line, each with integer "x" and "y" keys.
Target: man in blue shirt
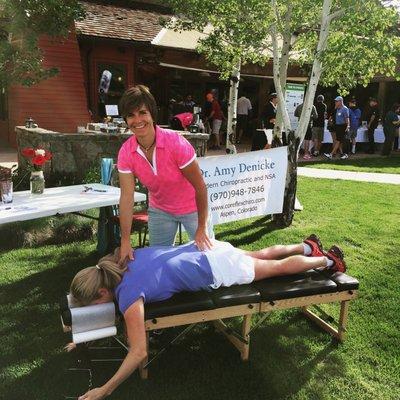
{"x": 342, "y": 125}
{"x": 355, "y": 116}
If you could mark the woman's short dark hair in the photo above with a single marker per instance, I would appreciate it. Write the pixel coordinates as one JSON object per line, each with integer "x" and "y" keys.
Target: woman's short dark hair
{"x": 136, "y": 97}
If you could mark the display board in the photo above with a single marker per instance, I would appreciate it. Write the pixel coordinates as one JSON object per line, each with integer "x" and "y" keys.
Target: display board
{"x": 294, "y": 97}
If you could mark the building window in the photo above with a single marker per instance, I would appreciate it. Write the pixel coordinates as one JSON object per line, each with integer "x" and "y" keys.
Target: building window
{"x": 112, "y": 84}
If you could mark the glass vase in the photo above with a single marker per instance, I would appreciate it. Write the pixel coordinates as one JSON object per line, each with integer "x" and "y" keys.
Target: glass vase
{"x": 6, "y": 191}
{"x": 37, "y": 182}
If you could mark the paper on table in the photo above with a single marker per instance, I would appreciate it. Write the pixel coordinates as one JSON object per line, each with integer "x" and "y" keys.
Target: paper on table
{"x": 94, "y": 334}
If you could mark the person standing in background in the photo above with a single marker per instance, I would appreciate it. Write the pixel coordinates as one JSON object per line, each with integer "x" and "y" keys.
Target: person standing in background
{"x": 390, "y": 127}
{"x": 319, "y": 124}
{"x": 243, "y": 115}
{"x": 372, "y": 118}
{"x": 206, "y": 111}
{"x": 216, "y": 116}
{"x": 268, "y": 118}
{"x": 342, "y": 125}
{"x": 189, "y": 103}
{"x": 308, "y": 136}
{"x": 355, "y": 120}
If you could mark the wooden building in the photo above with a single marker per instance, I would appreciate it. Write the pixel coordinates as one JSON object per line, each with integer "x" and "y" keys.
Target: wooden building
{"x": 133, "y": 46}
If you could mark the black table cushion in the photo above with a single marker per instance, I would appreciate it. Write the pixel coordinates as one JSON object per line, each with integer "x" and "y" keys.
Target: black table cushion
{"x": 180, "y": 303}
{"x": 235, "y": 295}
{"x": 343, "y": 281}
{"x": 298, "y": 285}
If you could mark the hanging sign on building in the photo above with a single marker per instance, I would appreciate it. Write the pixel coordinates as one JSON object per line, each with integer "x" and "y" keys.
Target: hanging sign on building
{"x": 245, "y": 185}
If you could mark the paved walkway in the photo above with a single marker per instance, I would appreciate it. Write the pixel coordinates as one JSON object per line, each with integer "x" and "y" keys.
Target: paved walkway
{"x": 8, "y": 157}
{"x": 349, "y": 175}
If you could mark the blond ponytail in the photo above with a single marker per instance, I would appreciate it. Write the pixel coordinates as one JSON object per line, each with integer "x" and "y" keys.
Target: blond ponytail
{"x": 106, "y": 274}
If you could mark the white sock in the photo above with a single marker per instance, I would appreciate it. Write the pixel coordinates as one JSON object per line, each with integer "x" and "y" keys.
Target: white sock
{"x": 353, "y": 148}
{"x": 307, "y": 249}
{"x": 329, "y": 262}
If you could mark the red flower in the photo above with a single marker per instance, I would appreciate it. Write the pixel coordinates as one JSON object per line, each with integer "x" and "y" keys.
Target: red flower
{"x": 37, "y": 157}
{"x": 39, "y": 160}
{"x": 28, "y": 152}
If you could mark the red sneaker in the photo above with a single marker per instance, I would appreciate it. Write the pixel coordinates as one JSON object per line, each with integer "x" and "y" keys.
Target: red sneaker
{"x": 335, "y": 254}
{"x": 316, "y": 246}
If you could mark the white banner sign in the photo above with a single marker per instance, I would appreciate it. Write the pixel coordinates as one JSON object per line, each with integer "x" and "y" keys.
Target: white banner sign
{"x": 245, "y": 185}
{"x": 294, "y": 97}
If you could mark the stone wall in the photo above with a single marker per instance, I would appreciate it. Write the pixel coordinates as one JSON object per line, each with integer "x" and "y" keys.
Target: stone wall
{"x": 74, "y": 154}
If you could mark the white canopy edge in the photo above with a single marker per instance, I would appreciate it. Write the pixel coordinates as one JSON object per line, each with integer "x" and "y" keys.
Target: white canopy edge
{"x": 187, "y": 40}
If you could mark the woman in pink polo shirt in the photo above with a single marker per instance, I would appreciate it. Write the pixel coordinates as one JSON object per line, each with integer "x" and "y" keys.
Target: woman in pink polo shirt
{"x": 164, "y": 162}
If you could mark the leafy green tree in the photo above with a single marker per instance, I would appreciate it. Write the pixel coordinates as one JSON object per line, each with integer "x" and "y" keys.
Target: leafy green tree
{"x": 21, "y": 24}
{"x": 340, "y": 42}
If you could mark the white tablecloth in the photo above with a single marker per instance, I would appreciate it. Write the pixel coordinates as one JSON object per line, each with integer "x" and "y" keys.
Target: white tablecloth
{"x": 59, "y": 200}
{"x": 361, "y": 135}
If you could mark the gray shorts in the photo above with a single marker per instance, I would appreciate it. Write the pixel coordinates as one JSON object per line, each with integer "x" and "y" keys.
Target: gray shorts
{"x": 351, "y": 134}
{"x": 317, "y": 133}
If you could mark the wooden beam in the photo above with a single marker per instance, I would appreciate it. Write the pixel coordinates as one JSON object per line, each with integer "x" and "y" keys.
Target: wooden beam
{"x": 201, "y": 316}
{"x": 221, "y": 327}
{"x": 344, "y": 311}
{"x": 307, "y": 300}
{"x": 144, "y": 372}
{"x": 246, "y": 325}
{"x": 241, "y": 345}
{"x": 320, "y": 322}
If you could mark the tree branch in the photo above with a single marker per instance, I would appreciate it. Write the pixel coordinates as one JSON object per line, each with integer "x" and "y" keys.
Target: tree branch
{"x": 337, "y": 14}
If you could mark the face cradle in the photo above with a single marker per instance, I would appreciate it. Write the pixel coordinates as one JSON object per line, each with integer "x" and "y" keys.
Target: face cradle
{"x": 140, "y": 122}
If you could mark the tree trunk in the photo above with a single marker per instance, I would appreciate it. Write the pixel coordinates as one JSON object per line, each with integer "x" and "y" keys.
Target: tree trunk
{"x": 232, "y": 112}
{"x": 286, "y": 217}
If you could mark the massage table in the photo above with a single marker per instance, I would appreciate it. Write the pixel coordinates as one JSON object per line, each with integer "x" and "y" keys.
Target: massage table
{"x": 303, "y": 291}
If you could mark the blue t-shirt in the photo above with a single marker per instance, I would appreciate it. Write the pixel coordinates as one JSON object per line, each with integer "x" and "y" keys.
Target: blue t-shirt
{"x": 342, "y": 114}
{"x": 354, "y": 115}
{"x": 158, "y": 272}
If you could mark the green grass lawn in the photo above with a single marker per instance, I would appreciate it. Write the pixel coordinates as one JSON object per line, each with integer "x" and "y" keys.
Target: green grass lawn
{"x": 290, "y": 358}
{"x": 387, "y": 165}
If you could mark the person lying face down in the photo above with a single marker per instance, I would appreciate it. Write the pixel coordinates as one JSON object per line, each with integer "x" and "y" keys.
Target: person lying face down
{"x": 158, "y": 272}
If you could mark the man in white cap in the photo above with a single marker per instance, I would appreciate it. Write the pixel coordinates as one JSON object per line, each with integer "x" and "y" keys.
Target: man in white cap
{"x": 342, "y": 125}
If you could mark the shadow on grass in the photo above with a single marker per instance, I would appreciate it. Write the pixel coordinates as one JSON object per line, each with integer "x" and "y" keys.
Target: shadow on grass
{"x": 250, "y": 232}
{"x": 283, "y": 357}
{"x": 30, "y": 331}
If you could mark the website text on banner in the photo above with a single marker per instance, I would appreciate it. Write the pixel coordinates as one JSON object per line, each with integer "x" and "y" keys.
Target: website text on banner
{"x": 245, "y": 185}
